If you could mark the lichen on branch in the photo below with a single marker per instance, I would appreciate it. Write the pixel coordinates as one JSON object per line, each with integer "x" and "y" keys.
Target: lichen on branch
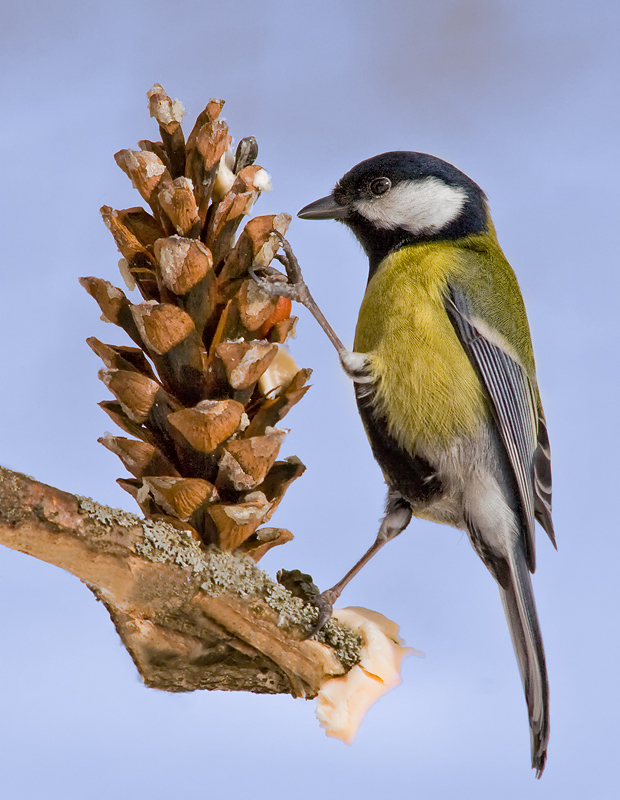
{"x": 191, "y": 617}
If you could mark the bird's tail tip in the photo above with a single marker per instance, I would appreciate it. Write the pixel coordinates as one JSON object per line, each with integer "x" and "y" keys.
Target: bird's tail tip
{"x": 518, "y": 599}
{"x": 539, "y": 759}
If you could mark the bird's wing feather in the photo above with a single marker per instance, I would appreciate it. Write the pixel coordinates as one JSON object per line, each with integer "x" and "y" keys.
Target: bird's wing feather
{"x": 514, "y": 406}
{"x": 542, "y": 478}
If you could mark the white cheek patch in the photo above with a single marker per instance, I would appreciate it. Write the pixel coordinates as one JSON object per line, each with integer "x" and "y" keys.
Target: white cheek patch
{"x": 418, "y": 206}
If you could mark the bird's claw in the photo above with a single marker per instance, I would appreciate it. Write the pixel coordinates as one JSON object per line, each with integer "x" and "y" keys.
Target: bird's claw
{"x": 288, "y": 259}
{"x": 324, "y": 602}
{"x": 301, "y": 585}
{"x": 275, "y": 284}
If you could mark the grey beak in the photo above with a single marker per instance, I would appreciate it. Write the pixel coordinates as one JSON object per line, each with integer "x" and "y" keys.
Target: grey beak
{"x": 325, "y": 208}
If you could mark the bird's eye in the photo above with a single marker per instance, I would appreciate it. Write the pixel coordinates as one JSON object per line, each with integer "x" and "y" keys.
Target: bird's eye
{"x": 380, "y": 186}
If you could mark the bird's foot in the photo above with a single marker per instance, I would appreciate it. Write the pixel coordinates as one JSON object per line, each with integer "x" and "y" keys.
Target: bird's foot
{"x": 301, "y": 585}
{"x": 293, "y": 286}
{"x": 324, "y": 602}
{"x": 276, "y": 284}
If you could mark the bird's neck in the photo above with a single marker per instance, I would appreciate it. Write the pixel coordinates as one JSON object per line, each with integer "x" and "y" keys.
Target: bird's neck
{"x": 379, "y": 243}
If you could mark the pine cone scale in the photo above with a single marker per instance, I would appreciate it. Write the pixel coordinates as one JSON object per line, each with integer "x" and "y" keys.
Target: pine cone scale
{"x": 207, "y": 379}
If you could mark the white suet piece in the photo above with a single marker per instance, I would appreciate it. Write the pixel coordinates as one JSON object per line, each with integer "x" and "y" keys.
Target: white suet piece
{"x": 279, "y": 373}
{"x": 224, "y": 179}
{"x": 229, "y": 158}
{"x": 342, "y": 703}
{"x": 262, "y": 181}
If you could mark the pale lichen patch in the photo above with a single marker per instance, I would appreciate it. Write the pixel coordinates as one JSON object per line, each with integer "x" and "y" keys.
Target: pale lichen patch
{"x": 237, "y": 574}
{"x": 107, "y": 515}
{"x": 224, "y": 572}
{"x": 164, "y": 543}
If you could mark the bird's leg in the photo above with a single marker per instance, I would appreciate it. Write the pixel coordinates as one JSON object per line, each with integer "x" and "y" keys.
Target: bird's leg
{"x": 398, "y": 511}
{"x": 397, "y": 517}
{"x": 294, "y": 287}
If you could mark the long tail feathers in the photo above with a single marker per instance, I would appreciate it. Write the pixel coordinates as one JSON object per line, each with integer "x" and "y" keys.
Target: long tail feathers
{"x": 520, "y": 609}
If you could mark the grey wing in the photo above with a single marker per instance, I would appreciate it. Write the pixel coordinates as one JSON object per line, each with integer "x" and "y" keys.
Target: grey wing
{"x": 516, "y": 411}
{"x": 542, "y": 478}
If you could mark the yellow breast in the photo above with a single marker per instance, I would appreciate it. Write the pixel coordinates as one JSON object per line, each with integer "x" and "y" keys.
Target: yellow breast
{"x": 427, "y": 388}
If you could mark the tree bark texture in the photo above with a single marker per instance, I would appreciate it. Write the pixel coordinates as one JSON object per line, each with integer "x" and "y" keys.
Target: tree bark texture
{"x": 191, "y": 617}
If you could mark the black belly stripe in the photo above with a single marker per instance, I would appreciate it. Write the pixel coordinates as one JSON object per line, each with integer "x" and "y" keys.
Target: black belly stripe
{"x": 412, "y": 476}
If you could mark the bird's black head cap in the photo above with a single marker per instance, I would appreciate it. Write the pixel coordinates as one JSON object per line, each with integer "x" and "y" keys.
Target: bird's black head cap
{"x": 400, "y": 198}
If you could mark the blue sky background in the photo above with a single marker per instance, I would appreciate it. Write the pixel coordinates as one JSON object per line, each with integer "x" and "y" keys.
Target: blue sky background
{"x": 522, "y": 96}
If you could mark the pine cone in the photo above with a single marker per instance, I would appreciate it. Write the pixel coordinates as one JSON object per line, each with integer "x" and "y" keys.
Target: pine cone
{"x": 209, "y": 378}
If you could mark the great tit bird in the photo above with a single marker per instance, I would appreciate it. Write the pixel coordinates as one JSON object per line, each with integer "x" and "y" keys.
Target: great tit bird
{"x": 445, "y": 382}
